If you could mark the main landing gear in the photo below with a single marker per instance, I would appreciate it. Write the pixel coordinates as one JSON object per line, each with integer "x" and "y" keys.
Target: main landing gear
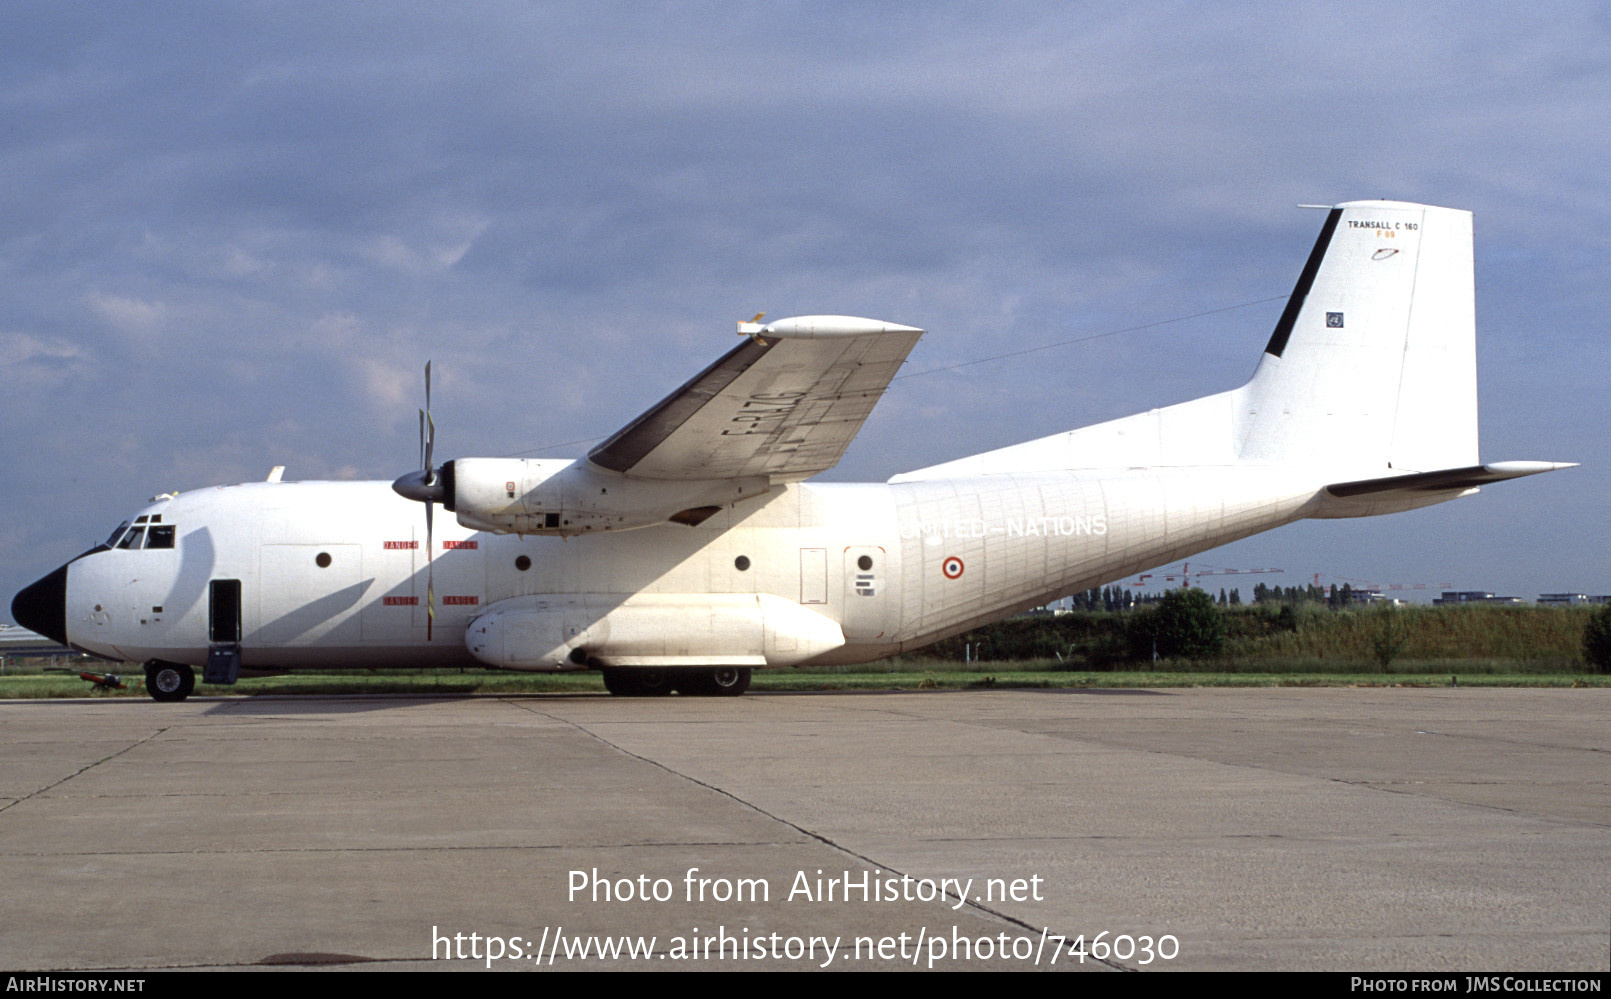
{"x": 169, "y": 681}
{"x": 725, "y": 681}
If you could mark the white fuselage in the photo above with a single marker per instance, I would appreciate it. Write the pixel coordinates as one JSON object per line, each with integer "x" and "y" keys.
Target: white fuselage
{"x": 334, "y": 574}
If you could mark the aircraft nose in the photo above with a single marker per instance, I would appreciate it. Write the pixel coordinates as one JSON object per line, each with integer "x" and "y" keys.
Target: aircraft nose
{"x": 42, "y": 606}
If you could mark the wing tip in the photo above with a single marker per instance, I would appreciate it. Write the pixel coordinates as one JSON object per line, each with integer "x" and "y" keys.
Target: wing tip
{"x": 1516, "y": 469}
{"x": 819, "y": 327}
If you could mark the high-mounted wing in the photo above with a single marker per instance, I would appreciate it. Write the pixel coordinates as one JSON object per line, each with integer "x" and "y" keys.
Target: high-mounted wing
{"x": 783, "y": 404}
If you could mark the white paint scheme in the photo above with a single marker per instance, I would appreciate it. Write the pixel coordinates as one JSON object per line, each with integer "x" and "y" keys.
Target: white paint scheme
{"x": 1366, "y": 404}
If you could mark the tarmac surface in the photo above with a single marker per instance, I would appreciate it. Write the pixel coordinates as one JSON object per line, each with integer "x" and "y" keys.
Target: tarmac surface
{"x": 1287, "y": 828}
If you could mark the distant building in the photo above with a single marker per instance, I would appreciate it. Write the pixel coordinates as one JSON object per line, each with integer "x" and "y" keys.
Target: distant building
{"x": 19, "y": 641}
{"x": 1562, "y": 599}
{"x": 1472, "y": 597}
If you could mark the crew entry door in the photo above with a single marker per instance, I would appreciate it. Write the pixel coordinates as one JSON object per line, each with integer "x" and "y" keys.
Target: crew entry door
{"x": 223, "y": 631}
{"x": 224, "y": 611}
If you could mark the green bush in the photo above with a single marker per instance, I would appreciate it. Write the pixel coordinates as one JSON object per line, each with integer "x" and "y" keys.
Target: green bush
{"x": 1184, "y": 625}
{"x": 1597, "y": 640}
{"x": 1390, "y": 640}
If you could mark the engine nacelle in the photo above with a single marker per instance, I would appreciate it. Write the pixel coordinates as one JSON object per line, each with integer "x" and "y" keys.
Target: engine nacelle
{"x": 577, "y": 630}
{"x": 568, "y": 497}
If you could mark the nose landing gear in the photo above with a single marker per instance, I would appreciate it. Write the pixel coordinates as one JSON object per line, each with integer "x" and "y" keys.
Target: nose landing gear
{"x": 169, "y": 681}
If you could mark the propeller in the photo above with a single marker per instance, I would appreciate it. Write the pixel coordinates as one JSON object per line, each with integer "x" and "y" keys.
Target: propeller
{"x": 425, "y": 486}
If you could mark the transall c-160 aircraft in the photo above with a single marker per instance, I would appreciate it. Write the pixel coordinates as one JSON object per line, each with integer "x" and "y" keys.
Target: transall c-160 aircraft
{"x": 688, "y": 548}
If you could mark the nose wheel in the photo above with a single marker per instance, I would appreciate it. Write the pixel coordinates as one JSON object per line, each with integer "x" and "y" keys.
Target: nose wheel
{"x": 169, "y": 681}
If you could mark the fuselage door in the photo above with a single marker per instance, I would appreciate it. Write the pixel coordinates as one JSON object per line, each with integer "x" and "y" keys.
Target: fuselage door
{"x": 867, "y": 578}
{"x": 813, "y": 575}
{"x": 223, "y": 631}
{"x": 224, "y": 611}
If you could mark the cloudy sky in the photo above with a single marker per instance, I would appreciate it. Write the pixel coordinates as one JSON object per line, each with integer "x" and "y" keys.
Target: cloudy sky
{"x": 231, "y": 234}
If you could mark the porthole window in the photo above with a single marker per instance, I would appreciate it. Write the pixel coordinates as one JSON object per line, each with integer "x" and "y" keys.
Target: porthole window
{"x": 323, "y": 560}
{"x": 864, "y": 563}
{"x": 741, "y": 563}
{"x": 523, "y": 563}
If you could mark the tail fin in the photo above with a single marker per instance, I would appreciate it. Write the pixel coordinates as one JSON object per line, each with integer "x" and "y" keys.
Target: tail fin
{"x": 1371, "y": 372}
{"x": 1372, "y": 366}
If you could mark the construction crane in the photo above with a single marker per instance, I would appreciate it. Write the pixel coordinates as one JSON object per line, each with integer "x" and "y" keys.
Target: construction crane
{"x": 1364, "y": 584}
{"x": 1185, "y": 575}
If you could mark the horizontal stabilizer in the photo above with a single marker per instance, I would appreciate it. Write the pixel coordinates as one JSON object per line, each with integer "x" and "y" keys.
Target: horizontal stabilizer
{"x": 1444, "y": 479}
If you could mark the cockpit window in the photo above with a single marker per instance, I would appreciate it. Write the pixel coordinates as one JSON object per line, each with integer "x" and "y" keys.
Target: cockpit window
{"x": 148, "y": 532}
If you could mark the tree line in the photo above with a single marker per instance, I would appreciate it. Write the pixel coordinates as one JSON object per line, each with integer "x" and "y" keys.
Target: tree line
{"x": 1288, "y": 623}
{"x": 1115, "y": 599}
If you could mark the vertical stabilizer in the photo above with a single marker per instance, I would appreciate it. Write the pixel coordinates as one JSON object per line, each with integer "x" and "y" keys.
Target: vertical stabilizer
{"x": 1373, "y": 363}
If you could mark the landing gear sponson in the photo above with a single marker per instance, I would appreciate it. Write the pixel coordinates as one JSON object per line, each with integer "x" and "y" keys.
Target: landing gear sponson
{"x": 726, "y": 681}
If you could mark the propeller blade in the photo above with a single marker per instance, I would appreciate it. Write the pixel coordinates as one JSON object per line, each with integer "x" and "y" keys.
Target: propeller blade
{"x": 425, "y": 486}
{"x": 430, "y": 430}
{"x": 430, "y": 446}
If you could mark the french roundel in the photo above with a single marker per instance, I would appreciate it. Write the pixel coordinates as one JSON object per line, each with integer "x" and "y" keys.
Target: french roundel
{"x": 952, "y": 567}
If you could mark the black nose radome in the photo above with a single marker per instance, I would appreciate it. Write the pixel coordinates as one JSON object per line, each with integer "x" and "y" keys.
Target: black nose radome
{"x": 42, "y": 606}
